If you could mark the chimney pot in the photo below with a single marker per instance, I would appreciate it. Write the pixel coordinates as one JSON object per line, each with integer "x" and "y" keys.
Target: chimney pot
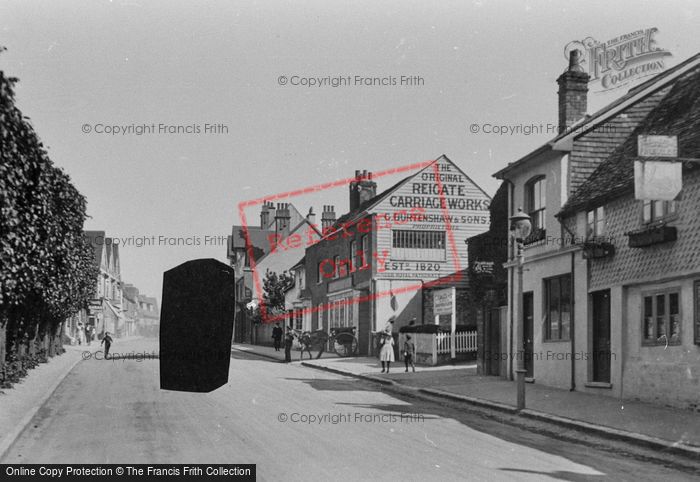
{"x": 575, "y": 61}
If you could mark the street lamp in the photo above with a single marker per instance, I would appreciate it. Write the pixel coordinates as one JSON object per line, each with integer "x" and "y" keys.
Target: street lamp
{"x": 520, "y": 228}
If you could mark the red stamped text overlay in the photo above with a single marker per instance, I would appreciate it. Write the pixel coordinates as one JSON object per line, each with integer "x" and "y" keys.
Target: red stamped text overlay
{"x": 347, "y": 229}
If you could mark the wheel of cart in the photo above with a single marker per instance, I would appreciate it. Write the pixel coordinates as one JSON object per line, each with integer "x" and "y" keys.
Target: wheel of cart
{"x": 344, "y": 341}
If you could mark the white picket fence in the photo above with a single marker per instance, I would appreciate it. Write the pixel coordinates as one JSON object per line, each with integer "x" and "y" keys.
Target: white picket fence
{"x": 465, "y": 342}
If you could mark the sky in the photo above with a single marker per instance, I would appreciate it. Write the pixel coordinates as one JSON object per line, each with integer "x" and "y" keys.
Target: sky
{"x": 90, "y": 65}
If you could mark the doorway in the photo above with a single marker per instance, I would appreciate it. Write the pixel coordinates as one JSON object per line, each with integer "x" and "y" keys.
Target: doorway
{"x": 600, "y": 301}
{"x": 493, "y": 349}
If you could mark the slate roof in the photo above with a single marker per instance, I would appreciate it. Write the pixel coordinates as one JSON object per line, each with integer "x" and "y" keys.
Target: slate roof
{"x": 678, "y": 113}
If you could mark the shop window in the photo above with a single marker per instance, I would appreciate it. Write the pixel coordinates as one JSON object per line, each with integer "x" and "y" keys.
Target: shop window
{"x": 557, "y": 308}
{"x": 655, "y": 211}
{"x": 661, "y": 318}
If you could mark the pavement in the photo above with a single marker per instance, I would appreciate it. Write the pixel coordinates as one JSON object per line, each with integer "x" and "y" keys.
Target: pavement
{"x": 634, "y": 422}
{"x": 296, "y": 423}
{"x": 19, "y": 404}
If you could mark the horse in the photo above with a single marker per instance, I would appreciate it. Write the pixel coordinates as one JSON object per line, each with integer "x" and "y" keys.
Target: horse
{"x": 317, "y": 339}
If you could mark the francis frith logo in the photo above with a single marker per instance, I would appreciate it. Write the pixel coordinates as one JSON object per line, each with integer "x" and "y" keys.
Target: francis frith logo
{"x": 621, "y": 60}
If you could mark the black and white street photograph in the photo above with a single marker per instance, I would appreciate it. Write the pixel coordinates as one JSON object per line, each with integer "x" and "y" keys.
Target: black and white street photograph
{"x": 350, "y": 240}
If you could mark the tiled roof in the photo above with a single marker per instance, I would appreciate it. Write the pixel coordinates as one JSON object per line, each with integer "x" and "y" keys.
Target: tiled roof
{"x": 678, "y": 114}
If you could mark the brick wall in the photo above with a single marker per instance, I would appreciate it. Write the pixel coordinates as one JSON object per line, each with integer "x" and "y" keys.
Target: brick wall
{"x": 327, "y": 249}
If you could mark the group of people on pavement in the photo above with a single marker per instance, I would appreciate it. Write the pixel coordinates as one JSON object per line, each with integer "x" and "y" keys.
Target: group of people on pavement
{"x": 386, "y": 340}
{"x": 386, "y": 353}
{"x": 86, "y": 333}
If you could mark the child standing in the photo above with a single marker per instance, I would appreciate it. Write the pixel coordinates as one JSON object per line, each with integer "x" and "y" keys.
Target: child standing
{"x": 107, "y": 340}
{"x": 386, "y": 354}
{"x": 409, "y": 352}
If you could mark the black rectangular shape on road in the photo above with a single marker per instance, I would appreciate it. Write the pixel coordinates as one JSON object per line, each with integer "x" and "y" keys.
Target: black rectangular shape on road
{"x": 196, "y": 323}
{"x": 238, "y": 472}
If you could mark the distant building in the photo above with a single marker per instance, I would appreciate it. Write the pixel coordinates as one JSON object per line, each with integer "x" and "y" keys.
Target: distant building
{"x": 141, "y": 313}
{"x": 105, "y": 311}
{"x": 298, "y": 299}
{"x": 277, "y": 224}
{"x": 130, "y": 296}
{"x": 148, "y": 323}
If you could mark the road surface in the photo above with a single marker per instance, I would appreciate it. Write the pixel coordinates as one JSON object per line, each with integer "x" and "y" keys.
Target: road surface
{"x": 114, "y": 412}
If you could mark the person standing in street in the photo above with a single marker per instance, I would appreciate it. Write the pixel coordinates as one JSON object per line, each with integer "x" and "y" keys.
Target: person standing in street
{"x": 88, "y": 334}
{"x": 409, "y": 352}
{"x": 107, "y": 340}
{"x": 277, "y": 336}
{"x": 288, "y": 342}
{"x": 81, "y": 333}
{"x": 386, "y": 354}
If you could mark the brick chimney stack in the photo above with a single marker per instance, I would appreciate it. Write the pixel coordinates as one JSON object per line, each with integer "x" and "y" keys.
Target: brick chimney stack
{"x": 267, "y": 214}
{"x": 573, "y": 92}
{"x": 282, "y": 218}
{"x": 327, "y": 217}
{"x": 362, "y": 189}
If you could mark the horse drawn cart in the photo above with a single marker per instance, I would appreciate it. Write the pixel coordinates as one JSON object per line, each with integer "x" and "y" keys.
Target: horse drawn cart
{"x": 342, "y": 339}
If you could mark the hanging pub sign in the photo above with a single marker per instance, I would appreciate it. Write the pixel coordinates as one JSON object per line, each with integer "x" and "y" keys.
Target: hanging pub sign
{"x": 657, "y": 146}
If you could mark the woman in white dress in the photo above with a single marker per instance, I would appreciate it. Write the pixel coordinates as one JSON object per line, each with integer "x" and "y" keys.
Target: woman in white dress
{"x": 386, "y": 354}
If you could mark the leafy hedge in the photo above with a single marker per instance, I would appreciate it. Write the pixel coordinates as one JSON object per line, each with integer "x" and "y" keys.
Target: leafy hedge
{"x": 48, "y": 273}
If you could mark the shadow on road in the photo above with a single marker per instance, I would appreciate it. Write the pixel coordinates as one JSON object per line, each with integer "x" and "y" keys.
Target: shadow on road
{"x": 601, "y": 455}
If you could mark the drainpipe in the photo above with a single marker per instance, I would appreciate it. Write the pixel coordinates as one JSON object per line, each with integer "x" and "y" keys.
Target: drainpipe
{"x": 511, "y": 308}
{"x": 572, "y": 326}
